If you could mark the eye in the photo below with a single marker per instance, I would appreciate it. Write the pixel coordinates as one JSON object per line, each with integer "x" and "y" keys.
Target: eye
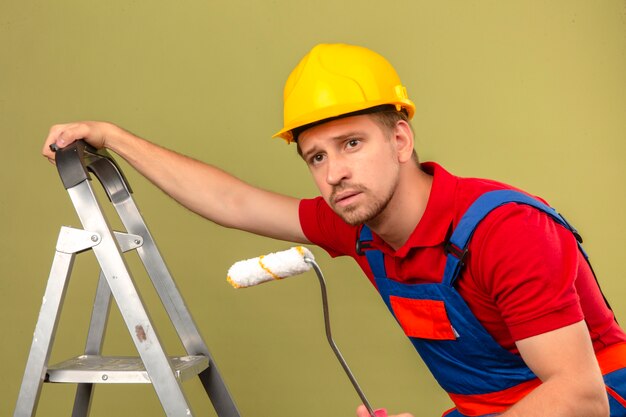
{"x": 352, "y": 143}
{"x": 316, "y": 159}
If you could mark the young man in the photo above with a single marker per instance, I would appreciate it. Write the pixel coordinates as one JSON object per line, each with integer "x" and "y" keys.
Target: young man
{"x": 513, "y": 324}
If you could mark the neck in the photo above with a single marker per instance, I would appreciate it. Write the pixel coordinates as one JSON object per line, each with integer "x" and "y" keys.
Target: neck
{"x": 406, "y": 208}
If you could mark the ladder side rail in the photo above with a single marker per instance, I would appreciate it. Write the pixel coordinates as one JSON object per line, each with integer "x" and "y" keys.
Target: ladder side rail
{"x": 95, "y": 340}
{"x": 211, "y": 378}
{"x": 99, "y": 317}
{"x": 141, "y": 329}
{"x": 70, "y": 242}
{"x": 109, "y": 174}
{"x": 111, "y": 178}
{"x": 97, "y": 327}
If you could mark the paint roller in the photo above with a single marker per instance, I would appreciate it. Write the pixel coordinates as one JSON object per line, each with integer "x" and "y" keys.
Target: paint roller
{"x": 279, "y": 265}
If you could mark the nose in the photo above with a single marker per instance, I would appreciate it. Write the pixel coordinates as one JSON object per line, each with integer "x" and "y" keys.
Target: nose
{"x": 337, "y": 170}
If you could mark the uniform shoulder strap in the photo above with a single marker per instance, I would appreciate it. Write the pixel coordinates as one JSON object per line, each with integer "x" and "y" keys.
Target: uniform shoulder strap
{"x": 456, "y": 246}
{"x": 375, "y": 257}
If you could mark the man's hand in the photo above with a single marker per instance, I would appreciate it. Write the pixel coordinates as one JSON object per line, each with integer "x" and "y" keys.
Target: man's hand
{"x": 361, "y": 411}
{"x": 94, "y": 133}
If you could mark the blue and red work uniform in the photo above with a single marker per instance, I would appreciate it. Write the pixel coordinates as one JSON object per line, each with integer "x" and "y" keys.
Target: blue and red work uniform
{"x": 465, "y": 290}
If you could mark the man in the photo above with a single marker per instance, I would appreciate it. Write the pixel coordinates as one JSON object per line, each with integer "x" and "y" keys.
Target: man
{"x": 518, "y": 327}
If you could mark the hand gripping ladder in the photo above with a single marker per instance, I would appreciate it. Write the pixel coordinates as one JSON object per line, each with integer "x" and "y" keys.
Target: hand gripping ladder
{"x": 75, "y": 163}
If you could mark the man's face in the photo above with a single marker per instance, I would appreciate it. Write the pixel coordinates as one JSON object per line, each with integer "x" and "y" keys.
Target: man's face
{"x": 354, "y": 165}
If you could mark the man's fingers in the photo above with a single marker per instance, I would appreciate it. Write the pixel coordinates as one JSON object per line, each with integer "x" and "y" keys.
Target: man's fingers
{"x": 361, "y": 411}
{"x": 63, "y": 135}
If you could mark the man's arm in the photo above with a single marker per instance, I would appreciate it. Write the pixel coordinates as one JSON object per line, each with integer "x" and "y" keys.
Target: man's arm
{"x": 202, "y": 188}
{"x": 572, "y": 384}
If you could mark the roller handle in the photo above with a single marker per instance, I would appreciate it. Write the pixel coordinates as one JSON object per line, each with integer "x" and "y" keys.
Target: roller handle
{"x": 253, "y": 272}
{"x": 75, "y": 161}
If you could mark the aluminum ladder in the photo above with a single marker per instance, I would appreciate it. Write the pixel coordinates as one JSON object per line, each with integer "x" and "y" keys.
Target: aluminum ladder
{"x": 75, "y": 164}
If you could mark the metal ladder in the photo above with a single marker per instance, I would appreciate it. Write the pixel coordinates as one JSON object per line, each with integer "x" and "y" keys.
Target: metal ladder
{"x": 75, "y": 163}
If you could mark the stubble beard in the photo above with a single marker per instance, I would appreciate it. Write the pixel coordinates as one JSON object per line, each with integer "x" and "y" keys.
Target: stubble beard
{"x": 355, "y": 214}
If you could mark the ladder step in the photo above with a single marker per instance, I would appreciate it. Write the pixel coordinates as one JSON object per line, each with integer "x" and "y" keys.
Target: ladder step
{"x": 95, "y": 369}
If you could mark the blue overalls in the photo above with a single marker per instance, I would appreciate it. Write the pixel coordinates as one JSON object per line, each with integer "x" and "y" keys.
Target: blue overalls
{"x": 481, "y": 377}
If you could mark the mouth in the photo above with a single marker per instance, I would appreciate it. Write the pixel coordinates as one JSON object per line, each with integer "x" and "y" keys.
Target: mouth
{"x": 345, "y": 198}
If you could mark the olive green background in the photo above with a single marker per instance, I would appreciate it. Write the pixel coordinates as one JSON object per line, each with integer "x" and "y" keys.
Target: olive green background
{"x": 528, "y": 92}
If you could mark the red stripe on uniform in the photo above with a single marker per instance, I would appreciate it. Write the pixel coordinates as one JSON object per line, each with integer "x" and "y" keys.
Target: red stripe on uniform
{"x": 616, "y": 396}
{"x": 612, "y": 358}
{"x": 493, "y": 402}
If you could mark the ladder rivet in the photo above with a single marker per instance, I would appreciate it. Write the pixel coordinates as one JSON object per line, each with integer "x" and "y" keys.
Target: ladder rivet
{"x": 94, "y": 238}
{"x": 137, "y": 241}
{"x": 105, "y": 377}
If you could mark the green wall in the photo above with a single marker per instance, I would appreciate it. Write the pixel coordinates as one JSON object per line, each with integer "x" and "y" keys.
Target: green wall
{"x": 528, "y": 92}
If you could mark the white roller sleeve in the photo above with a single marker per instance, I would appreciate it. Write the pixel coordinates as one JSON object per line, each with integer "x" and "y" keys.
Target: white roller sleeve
{"x": 270, "y": 267}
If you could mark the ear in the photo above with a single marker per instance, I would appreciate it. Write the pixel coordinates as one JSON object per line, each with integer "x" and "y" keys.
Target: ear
{"x": 403, "y": 141}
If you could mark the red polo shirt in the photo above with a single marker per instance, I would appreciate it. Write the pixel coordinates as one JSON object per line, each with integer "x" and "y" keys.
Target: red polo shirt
{"x": 524, "y": 274}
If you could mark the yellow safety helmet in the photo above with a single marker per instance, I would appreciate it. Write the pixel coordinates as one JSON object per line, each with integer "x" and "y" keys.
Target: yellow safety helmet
{"x": 337, "y": 79}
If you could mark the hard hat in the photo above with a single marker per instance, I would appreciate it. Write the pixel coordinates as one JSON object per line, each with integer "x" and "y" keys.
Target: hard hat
{"x": 338, "y": 79}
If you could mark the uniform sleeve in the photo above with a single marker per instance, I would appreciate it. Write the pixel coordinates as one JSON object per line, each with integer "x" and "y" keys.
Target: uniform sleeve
{"x": 528, "y": 265}
{"x": 325, "y": 229}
